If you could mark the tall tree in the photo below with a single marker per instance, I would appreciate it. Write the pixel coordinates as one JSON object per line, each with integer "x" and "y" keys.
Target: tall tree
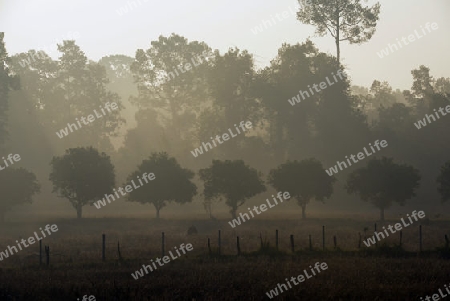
{"x": 171, "y": 182}
{"x": 82, "y": 176}
{"x": 233, "y": 180}
{"x": 384, "y": 182}
{"x": 423, "y": 82}
{"x": 7, "y": 82}
{"x": 18, "y": 187}
{"x": 304, "y": 180}
{"x": 345, "y": 20}
{"x": 444, "y": 182}
{"x": 170, "y": 77}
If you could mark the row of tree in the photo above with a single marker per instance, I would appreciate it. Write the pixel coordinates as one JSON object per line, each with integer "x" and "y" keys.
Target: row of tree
{"x": 83, "y": 176}
{"x": 176, "y": 115}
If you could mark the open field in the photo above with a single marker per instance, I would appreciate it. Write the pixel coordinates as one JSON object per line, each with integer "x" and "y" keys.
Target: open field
{"x": 76, "y": 268}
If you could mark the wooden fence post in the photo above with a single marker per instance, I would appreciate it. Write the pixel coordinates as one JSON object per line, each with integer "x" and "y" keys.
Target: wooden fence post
{"x": 376, "y": 241}
{"x": 47, "y": 254}
{"x": 310, "y": 243}
{"x": 162, "y": 244}
{"x": 276, "y": 239}
{"x": 103, "y": 247}
{"x": 220, "y": 244}
{"x": 40, "y": 252}
{"x": 420, "y": 238}
{"x": 238, "y": 246}
{"x": 323, "y": 238}
{"x": 292, "y": 243}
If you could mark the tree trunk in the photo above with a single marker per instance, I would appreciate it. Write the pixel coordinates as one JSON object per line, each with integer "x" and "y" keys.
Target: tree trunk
{"x": 338, "y": 50}
{"x": 79, "y": 210}
{"x": 233, "y": 212}
{"x": 303, "y": 211}
{"x": 382, "y": 214}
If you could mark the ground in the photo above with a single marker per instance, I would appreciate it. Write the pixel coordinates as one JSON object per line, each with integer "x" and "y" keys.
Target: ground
{"x": 76, "y": 268}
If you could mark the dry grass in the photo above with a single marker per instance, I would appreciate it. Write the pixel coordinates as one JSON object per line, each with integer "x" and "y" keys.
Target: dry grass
{"x": 351, "y": 275}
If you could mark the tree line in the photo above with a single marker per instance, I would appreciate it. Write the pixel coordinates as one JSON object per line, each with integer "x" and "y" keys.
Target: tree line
{"x": 83, "y": 176}
{"x": 160, "y": 112}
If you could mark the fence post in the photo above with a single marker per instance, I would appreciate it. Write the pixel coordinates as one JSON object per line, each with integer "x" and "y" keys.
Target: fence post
{"x": 276, "y": 239}
{"x": 118, "y": 250}
{"x": 162, "y": 244}
{"x": 292, "y": 243}
{"x": 47, "y": 254}
{"x": 238, "y": 245}
{"x": 310, "y": 243}
{"x": 420, "y": 238}
{"x": 103, "y": 247}
{"x": 376, "y": 241}
{"x": 219, "y": 244}
{"x": 323, "y": 238}
{"x": 40, "y": 252}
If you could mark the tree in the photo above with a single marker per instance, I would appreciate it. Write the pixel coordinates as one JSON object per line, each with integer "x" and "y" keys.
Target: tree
{"x": 82, "y": 176}
{"x": 442, "y": 85}
{"x": 7, "y": 82}
{"x": 304, "y": 180}
{"x": 384, "y": 182}
{"x": 382, "y": 94}
{"x": 345, "y": 20}
{"x": 423, "y": 82}
{"x": 170, "y": 183}
{"x": 233, "y": 180}
{"x": 170, "y": 78}
{"x": 18, "y": 187}
{"x": 444, "y": 182}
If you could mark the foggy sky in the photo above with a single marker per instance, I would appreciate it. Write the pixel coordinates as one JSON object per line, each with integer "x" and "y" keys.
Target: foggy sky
{"x": 223, "y": 24}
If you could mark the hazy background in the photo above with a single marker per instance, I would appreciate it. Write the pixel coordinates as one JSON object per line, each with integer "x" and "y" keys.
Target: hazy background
{"x": 224, "y": 24}
{"x": 220, "y": 24}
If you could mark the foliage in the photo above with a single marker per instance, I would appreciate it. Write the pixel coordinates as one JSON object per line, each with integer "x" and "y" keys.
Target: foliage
{"x": 304, "y": 180}
{"x": 384, "y": 182}
{"x": 17, "y": 187}
{"x": 171, "y": 183}
{"x": 233, "y": 180}
{"x": 82, "y": 176}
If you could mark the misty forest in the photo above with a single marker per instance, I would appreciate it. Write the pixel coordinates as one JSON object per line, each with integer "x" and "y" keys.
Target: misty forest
{"x": 131, "y": 156}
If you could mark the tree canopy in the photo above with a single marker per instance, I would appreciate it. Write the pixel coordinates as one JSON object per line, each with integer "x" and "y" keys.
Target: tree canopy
{"x": 384, "y": 182}
{"x": 82, "y": 175}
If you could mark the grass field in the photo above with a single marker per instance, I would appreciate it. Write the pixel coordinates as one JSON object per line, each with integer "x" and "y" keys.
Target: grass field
{"x": 76, "y": 268}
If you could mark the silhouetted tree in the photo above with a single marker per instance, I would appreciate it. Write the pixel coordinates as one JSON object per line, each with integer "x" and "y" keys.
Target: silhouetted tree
{"x": 171, "y": 77}
{"x": 171, "y": 182}
{"x": 304, "y": 180}
{"x": 233, "y": 180}
{"x": 82, "y": 176}
{"x": 7, "y": 82}
{"x": 444, "y": 182}
{"x": 17, "y": 187}
{"x": 384, "y": 182}
{"x": 345, "y": 20}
